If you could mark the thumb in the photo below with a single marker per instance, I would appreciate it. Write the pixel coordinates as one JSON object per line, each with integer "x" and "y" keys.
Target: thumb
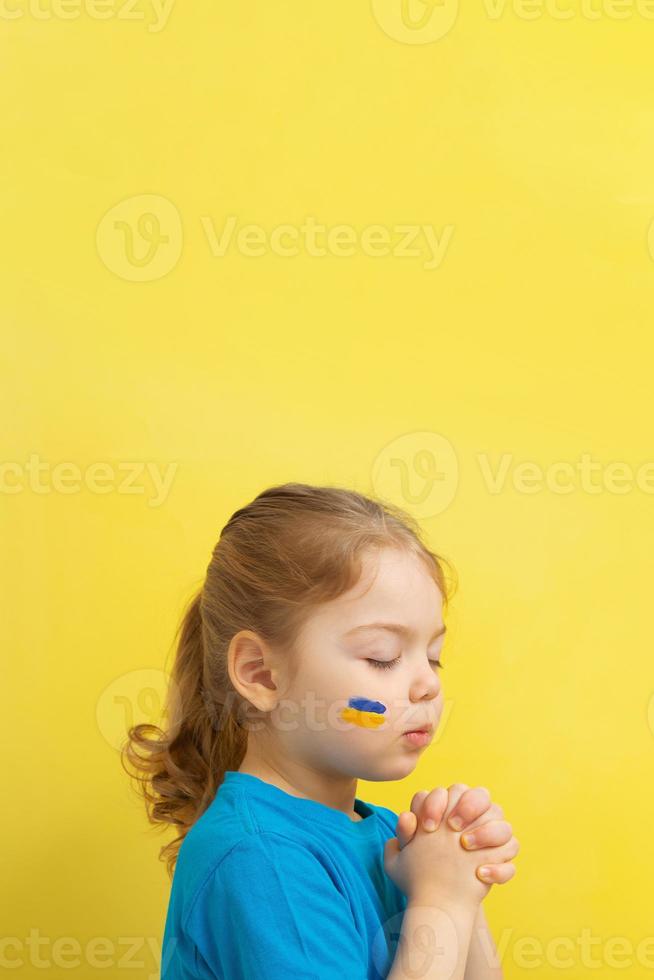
{"x": 391, "y": 850}
{"x": 405, "y": 829}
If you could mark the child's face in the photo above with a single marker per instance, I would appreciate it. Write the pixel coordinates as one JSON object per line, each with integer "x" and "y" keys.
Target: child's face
{"x": 345, "y": 715}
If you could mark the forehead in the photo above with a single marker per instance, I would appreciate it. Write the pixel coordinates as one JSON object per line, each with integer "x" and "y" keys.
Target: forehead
{"x": 395, "y": 586}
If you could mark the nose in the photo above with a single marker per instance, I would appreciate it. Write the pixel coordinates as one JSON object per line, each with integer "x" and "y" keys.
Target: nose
{"x": 426, "y": 685}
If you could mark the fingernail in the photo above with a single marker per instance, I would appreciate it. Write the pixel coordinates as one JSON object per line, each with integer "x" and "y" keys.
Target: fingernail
{"x": 456, "y": 823}
{"x": 484, "y": 873}
{"x": 468, "y": 840}
{"x": 429, "y": 824}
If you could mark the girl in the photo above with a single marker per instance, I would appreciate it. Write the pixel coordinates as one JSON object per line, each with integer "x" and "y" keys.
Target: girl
{"x": 308, "y": 660}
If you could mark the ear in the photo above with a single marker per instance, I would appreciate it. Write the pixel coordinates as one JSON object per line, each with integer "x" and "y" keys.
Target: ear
{"x": 254, "y": 670}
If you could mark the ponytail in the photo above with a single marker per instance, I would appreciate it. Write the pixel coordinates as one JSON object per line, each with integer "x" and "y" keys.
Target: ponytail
{"x": 179, "y": 769}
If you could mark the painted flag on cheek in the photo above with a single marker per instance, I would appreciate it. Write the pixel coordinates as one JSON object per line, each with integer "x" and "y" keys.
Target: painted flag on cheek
{"x": 364, "y": 713}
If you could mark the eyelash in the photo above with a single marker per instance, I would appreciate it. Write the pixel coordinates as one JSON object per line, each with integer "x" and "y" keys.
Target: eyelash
{"x": 388, "y": 664}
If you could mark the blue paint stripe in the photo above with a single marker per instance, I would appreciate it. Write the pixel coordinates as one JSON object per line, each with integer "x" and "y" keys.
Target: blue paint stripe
{"x": 364, "y": 705}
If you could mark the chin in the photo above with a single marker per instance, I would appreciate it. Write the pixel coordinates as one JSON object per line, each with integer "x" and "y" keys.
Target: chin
{"x": 387, "y": 770}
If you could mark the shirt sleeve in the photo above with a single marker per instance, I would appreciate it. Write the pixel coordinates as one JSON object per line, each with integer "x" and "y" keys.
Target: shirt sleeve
{"x": 271, "y": 910}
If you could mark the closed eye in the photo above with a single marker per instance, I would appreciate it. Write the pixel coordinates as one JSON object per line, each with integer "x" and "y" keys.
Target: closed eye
{"x": 388, "y": 664}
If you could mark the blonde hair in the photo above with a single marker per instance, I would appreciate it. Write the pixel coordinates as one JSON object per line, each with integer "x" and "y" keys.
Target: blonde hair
{"x": 293, "y": 547}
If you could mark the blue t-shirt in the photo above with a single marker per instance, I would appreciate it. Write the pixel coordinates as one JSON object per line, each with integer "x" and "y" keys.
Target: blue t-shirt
{"x": 268, "y": 886}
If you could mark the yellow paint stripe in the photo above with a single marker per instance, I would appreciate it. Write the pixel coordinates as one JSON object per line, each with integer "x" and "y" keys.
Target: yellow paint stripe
{"x": 364, "y": 719}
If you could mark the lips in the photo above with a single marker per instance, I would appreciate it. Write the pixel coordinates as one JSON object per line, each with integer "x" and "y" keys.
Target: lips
{"x": 424, "y": 729}
{"x": 418, "y": 739}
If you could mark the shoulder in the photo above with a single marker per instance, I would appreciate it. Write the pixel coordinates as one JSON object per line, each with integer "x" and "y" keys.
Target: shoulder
{"x": 265, "y": 862}
{"x": 269, "y": 846}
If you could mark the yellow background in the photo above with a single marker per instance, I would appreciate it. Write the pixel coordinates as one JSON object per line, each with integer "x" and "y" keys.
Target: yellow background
{"x": 531, "y": 139}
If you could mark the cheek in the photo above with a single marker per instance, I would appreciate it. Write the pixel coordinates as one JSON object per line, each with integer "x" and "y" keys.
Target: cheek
{"x": 364, "y": 712}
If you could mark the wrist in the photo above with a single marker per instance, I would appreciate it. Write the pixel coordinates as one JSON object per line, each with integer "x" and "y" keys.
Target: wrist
{"x": 463, "y": 906}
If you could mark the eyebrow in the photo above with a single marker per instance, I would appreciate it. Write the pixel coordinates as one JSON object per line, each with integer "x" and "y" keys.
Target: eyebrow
{"x": 393, "y": 628}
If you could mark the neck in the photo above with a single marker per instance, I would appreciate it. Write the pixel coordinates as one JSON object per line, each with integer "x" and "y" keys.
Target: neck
{"x": 299, "y": 779}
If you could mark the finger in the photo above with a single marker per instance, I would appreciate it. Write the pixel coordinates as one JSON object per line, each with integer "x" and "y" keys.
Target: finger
{"x": 406, "y": 827}
{"x": 433, "y": 809}
{"x": 488, "y": 835}
{"x": 496, "y": 874}
{"x": 417, "y": 801}
{"x": 469, "y": 807}
{"x": 391, "y": 850}
{"x": 494, "y": 812}
{"x": 497, "y": 855}
{"x": 454, "y": 794}
{"x": 400, "y": 831}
